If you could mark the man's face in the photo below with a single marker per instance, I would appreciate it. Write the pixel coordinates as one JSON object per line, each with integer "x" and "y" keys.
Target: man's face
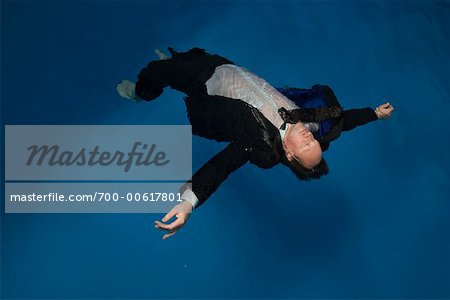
{"x": 299, "y": 144}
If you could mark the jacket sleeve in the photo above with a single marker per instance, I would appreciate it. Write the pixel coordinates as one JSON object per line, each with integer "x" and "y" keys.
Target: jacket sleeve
{"x": 209, "y": 177}
{"x": 357, "y": 117}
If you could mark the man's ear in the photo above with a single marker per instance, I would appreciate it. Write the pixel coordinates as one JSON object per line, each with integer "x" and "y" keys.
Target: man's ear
{"x": 289, "y": 156}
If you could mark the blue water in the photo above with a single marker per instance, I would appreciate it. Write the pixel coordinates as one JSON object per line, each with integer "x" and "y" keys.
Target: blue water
{"x": 378, "y": 226}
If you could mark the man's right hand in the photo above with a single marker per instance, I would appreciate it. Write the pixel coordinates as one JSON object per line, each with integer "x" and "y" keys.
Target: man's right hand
{"x": 182, "y": 211}
{"x": 384, "y": 111}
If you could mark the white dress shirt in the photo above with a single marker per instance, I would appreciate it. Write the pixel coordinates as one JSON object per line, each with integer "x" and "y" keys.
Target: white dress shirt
{"x": 238, "y": 83}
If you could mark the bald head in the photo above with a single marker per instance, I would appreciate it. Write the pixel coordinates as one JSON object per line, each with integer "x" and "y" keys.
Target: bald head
{"x": 299, "y": 144}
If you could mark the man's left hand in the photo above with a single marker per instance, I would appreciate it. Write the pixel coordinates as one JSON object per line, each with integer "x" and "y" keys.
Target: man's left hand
{"x": 182, "y": 212}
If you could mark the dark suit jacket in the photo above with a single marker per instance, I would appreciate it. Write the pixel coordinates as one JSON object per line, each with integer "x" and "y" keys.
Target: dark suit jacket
{"x": 250, "y": 135}
{"x": 253, "y": 138}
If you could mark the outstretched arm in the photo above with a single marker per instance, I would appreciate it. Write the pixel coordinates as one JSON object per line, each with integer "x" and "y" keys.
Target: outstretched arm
{"x": 209, "y": 177}
{"x": 204, "y": 183}
{"x": 357, "y": 117}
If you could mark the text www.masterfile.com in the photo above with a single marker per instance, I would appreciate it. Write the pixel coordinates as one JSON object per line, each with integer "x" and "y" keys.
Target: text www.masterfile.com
{"x": 96, "y": 197}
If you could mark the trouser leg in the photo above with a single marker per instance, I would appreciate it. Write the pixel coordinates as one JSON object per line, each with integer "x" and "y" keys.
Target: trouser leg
{"x": 186, "y": 72}
{"x": 154, "y": 78}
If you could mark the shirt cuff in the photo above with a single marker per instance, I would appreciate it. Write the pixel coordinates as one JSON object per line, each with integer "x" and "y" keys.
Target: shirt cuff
{"x": 189, "y": 195}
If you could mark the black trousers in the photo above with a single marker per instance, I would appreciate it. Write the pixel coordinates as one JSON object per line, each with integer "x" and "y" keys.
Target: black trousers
{"x": 186, "y": 72}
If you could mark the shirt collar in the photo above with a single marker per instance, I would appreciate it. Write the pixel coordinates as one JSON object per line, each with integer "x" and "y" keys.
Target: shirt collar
{"x": 282, "y": 133}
